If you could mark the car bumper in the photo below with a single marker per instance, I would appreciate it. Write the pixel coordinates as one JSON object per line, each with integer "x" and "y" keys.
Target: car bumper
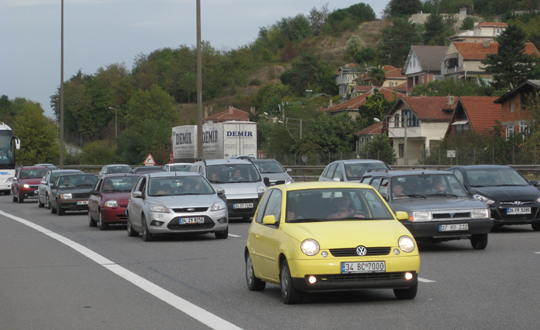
{"x": 329, "y": 277}
{"x": 29, "y": 193}
{"x": 432, "y": 229}
{"x": 114, "y": 215}
{"x": 236, "y": 207}
{"x": 500, "y": 217}
{"x": 74, "y": 204}
{"x": 163, "y": 224}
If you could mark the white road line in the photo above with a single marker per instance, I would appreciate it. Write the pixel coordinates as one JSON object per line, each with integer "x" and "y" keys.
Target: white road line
{"x": 183, "y": 305}
{"x": 537, "y": 252}
{"x": 234, "y": 235}
{"x": 425, "y": 280}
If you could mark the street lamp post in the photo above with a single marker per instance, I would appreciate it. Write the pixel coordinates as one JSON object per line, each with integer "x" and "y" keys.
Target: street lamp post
{"x": 115, "y": 124}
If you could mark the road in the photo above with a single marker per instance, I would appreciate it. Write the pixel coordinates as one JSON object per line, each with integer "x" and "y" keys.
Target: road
{"x": 58, "y": 273}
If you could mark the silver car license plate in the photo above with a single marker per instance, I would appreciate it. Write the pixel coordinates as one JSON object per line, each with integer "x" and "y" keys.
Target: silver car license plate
{"x": 190, "y": 220}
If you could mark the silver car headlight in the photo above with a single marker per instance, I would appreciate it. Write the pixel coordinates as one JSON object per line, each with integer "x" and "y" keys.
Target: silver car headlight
{"x": 483, "y": 199}
{"x": 406, "y": 244}
{"x": 480, "y": 213}
{"x": 158, "y": 208}
{"x": 261, "y": 189}
{"x": 422, "y": 216}
{"x": 111, "y": 203}
{"x": 66, "y": 196}
{"x": 218, "y": 206}
{"x": 310, "y": 247}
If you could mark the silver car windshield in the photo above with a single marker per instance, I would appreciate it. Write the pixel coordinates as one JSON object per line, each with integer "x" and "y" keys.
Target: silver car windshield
{"x": 422, "y": 185}
{"x": 176, "y": 186}
{"x": 233, "y": 173}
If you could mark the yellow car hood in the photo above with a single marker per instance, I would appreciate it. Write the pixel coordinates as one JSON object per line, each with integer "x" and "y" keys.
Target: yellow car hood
{"x": 344, "y": 234}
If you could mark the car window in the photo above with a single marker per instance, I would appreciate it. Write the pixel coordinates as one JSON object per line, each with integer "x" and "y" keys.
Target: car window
{"x": 235, "y": 173}
{"x": 502, "y": 176}
{"x": 274, "y": 205}
{"x": 338, "y": 173}
{"x": 458, "y": 175}
{"x": 141, "y": 185}
{"x": 376, "y": 183}
{"x": 330, "y": 171}
{"x": 383, "y": 188}
{"x": 332, "y": 204}
{"x": 262, "y": 205}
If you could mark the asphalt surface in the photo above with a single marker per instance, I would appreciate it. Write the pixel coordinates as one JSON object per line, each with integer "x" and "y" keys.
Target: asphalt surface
{"x": 62, "y": 274}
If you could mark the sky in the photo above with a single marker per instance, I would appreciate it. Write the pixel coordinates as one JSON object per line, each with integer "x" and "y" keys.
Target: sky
{"x": 98, "y": 33}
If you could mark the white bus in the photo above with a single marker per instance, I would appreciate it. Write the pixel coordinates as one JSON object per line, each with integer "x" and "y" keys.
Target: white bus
{"x": 8, "y": 144}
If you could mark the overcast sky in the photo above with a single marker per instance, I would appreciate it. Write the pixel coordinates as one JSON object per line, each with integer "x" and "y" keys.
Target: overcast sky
{"x": 98, "y": 33}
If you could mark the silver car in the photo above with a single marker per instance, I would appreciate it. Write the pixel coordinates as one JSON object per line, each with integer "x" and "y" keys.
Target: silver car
{"x": 164, "y": 203}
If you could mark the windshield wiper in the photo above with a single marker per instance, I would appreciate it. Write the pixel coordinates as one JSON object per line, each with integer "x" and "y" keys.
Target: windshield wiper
{"x": 443, "y": 194}
{"x": 415, "y": 195}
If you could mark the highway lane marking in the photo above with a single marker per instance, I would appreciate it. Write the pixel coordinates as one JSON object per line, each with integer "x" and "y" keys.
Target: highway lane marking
{"x": 194, "y": 311}
{"x": 233, "y": 235}
{"x": 425, "y": 280}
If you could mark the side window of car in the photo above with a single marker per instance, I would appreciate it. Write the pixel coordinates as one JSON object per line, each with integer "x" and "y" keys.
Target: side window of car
{"x": 383, "y": 188}
{"x": 274, "y": 205}
{"x": 98, "y": 184}
{"x": 376, "y": 183}
{"x": 330, "y": 172}
{"x": 262, "y": 206}
{"x": 458, "y": 175}
{"x": 142, "y": 185}
{"x": 339, "y": 172}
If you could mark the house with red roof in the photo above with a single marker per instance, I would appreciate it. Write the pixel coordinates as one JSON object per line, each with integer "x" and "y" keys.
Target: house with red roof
{"x": 415, "y": 124}
{"x": 351, "y": 106}
{"x": 464, "y": 59}
{"x": 423, "y": 65}
{"x": 346, "y": 77}
{"x": 478, "y": 114}
{"x": 516, "y": 116}
{"x": 482, "y": 31}
{"x": 363, "y": 136}
{"x": 228, "y": 115}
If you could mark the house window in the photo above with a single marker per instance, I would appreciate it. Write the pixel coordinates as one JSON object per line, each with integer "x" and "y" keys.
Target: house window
{"x": 391, "y": 84}
{"x": 513, "y": 105}
{"x": 422, "y": 79}
{"x": 396, "y": 121}
{"x": 412, "y": 120}
{"x": 401, "y": 150}
{"x": 509, "y": 131}
{"x": 524, "y": 128}
{"x": 461, "y": 129}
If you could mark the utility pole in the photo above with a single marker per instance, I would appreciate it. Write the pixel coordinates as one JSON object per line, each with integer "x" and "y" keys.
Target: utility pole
{"x": 199, "y": 85}
{"x": 61, "y": 164}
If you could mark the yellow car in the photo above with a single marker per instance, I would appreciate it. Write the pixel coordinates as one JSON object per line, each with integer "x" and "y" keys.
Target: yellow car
{"x": 329, "y": 236}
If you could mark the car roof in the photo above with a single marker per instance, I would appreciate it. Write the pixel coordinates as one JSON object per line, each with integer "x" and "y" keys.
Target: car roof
{"x": 321, "y": 185}
{"x": 116, "y": 175}
{"x": 71, "y": 170}
{"x": 34, "y": 167}
{"x": 479, "y": 167}
{"x": 78, "y": 174}
{"x": 265, "y": 160}
{"x": 116, "y": 165}
{"x": 170, "y": 164}
{"x": 361, "y": 161}
{"x": 227, "y": 161}
{"x": 169, "y": 174}
{"x": 408, "y": 173}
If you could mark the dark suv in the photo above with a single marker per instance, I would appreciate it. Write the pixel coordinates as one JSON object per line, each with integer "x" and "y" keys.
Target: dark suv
{"x": 439, "y": 208}
{"x": 513, "y": 200}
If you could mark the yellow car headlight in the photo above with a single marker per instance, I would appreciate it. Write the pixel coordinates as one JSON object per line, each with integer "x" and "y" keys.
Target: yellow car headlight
{"x": 406, "y": 244}
{"x": 310, "y": 247}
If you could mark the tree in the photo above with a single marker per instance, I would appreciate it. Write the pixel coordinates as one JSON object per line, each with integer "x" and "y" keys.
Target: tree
{"x": 148, "y": 136}
{"x": 377, "y": 75}
{"x": 396, "y": 42}
{"x": 379, "y": 147}
{"x": 154, "y": 104}
{"x": 310, "y": 73}
{"x": 376, "y": 106}
{"x": 366, "y": 56}
{"x": 37, "y": 135}
{"x": 435, "y": 28}
{"x": 400, "y": 8}
{"x": 467, "y": 24}
{"x": 510, "y": 66}
{"x": 328, "y": 134}
{"x": 317, "y": 18}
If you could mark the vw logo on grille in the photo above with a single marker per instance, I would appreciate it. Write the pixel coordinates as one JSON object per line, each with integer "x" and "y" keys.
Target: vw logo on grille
{"x": 361, "y": 250}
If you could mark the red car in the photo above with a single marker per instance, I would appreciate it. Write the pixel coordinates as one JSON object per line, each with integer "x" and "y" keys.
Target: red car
{"x": 26, "y": 181}
{"x": 108, "y": 201}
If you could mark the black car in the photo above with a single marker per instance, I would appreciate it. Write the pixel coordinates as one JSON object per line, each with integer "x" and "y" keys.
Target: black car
{"x": 71, "y": 192}
{"x": 512, "y": 198}
{"x": 439, "y": 208}
{"x": 44, "y": 188}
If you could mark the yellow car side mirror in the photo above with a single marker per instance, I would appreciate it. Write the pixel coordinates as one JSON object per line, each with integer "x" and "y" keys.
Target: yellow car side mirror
{"x": 401, "y": 215}
{"x": 269, "y": 220}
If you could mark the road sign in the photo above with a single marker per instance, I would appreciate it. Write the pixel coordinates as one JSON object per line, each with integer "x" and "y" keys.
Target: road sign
{"x": 149, "y": 161}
